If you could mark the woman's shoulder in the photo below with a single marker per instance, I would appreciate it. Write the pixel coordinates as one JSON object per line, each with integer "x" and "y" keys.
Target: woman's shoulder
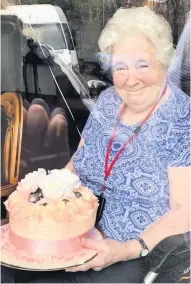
{"x": 182, "y": 106}
{"x": 179, "y": 127}
{"x": 109, "y": 96}
{"x": 177, "y": 108}
{"x": 178, "y": 138}
{"x": 107, "y": 106}
{"x": 181, "y": 97}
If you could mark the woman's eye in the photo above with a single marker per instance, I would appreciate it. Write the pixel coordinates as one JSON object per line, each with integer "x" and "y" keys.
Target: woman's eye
{"x": 143, "y": 66}
{"x": 119, "y": 68}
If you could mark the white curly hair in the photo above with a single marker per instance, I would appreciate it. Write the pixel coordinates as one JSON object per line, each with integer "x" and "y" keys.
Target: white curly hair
{"x": 143, "y": 20}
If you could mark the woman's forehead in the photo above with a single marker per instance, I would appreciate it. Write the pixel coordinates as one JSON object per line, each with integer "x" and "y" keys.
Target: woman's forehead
{"x": 129, "y": 57}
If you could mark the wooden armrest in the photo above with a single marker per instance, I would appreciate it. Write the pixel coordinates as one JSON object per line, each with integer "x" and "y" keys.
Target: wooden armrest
{"x": 6, "y": 190}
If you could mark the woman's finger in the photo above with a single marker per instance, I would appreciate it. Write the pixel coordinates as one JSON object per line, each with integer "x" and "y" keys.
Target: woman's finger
{"x": 99, "y": 268}
{"x": 83, "y": 267}
{"x": 93, "y": 244}
{"x": 97, "y": 262}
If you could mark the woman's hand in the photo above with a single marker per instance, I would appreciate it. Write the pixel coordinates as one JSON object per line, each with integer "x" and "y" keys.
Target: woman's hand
{"x": 108, "y": 252}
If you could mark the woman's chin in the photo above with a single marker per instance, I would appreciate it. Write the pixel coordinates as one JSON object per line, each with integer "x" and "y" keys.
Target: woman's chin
{"x": 134, "y": 101}
{"x": 138, "y": 103}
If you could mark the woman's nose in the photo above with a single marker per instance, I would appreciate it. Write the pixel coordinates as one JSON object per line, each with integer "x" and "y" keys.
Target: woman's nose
{"x": 132, "y": 79}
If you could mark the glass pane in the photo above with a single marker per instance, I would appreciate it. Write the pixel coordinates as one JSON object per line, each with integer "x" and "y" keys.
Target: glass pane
{"x": 56, "y": 109}
{"x": 50, "y": 34}
{"x": 68, "y": 37}
{"x": 56, "y": 99}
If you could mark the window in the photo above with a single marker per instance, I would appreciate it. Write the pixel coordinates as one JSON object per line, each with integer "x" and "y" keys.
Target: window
{"x": 68, "y": 36}
{"x": 50, "y": 34}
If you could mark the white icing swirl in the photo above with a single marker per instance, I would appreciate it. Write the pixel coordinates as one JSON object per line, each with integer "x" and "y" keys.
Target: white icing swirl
{"x": 55, "y": 185}
{"x": 59, "y": 184}
{"x": 31, "y": 180}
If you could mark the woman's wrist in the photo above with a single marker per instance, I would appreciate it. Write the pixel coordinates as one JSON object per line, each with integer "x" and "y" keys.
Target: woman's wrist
{"x": 130, "y": 250}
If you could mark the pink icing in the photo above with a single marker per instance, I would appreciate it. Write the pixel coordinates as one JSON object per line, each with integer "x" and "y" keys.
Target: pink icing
{"x": 12, "y": 255}
{"x": 74, "y": 209}
{"x": 58, "y": 218}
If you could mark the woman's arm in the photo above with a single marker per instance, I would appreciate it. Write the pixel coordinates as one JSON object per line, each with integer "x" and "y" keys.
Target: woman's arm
{"x": 175, "y": 221}
{"x": 70, "y": 166}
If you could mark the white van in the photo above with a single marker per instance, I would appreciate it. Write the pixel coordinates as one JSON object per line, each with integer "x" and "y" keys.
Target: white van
{"x": 48, "y": 24}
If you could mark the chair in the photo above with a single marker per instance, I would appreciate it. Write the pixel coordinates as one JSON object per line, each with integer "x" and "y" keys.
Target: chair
{"x": 11, "y": 101}
{"x": 12, "y": 124}
{"x": 169, "y": 261}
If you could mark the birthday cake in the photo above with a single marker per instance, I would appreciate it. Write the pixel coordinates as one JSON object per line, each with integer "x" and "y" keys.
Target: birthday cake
{"x": 50, "y": 212}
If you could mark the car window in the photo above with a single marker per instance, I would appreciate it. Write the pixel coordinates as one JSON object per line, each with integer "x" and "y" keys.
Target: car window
{"x": 50, "y": 34}
{"x": 68, "y": 36}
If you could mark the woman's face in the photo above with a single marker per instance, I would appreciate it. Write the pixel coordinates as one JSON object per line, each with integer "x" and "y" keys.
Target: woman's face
{"x": 137, "y": 74}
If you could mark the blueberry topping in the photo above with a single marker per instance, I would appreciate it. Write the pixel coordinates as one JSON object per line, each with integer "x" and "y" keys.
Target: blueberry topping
{"x": 39, "y": 191}
{"x": 34, "y": 197}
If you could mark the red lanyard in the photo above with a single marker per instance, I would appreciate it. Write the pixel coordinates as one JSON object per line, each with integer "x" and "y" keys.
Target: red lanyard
{"x": 108, "y": 168}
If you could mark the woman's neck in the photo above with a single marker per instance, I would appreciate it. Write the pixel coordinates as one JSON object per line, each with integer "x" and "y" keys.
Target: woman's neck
{"x": 130, "y": 117}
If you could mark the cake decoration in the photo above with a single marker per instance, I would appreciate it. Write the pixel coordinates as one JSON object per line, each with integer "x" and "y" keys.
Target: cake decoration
{"x": 58, "y": 184}
{"x": 54, "y": 185}
{"x": 30, "y": 182}
{"x": 35, "y": 196}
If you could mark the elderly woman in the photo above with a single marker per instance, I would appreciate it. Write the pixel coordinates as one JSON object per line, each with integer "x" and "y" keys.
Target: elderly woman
{"x": 134, "y": 151}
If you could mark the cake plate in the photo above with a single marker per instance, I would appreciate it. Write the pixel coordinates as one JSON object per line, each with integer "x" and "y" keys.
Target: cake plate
{"x": 16, "y": 258}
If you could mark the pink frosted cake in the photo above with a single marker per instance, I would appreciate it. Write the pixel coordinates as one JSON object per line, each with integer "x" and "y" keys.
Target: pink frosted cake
{"x": 49, "y": 213}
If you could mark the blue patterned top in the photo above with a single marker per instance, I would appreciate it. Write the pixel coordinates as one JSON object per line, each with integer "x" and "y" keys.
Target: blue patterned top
{"x": 137, "y": 191}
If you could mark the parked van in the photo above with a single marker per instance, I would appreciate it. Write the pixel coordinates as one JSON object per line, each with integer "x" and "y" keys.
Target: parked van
{"x": 48, "y": 25}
